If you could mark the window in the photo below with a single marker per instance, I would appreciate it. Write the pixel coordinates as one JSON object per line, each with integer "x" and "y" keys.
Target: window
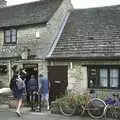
{"x": 106, "y": 76}
{"x": 3, "y": 69}
{"x": 10, "y": 36}
{"x": 103, "y": 77}
{"x": 114, "y": 77}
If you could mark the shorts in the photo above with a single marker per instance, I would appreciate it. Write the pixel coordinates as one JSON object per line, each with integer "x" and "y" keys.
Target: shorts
{"x": 18, "y": 95}
{"x": 44, "y": 96}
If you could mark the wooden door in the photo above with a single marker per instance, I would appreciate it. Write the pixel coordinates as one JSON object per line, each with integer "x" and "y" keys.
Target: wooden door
{"x": 58, "y": 78}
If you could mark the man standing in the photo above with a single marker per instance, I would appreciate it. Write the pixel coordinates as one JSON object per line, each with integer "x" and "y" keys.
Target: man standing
{"x": 32, "y": 89}
{"x": 44, "y": 89}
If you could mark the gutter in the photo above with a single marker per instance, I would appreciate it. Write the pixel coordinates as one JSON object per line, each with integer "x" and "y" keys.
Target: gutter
{"x": 97, "y": 58}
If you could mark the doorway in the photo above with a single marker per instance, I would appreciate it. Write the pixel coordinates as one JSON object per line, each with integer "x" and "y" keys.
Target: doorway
{"x": 31, "y": 69}
{"x": 58, "y": 78}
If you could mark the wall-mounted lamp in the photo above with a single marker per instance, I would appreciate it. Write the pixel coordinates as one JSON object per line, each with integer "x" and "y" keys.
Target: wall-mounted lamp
{"x": 37, "y": 34}
{"x": 26, "y": 54}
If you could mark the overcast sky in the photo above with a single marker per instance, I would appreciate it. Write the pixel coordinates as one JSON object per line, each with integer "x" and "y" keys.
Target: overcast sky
{"x": 76, "y": 3}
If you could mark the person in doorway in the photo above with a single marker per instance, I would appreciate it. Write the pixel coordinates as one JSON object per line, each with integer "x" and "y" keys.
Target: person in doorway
{"x": 27, "y": 88}
{"x": 33, "y": 89}
{"x": 17, "y": 87}
{"x": 44, "y": 89}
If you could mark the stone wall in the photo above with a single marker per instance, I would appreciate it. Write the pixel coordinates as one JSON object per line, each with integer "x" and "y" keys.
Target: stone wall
{"x": 1, "y": 38}
{"x": 4, "y": 80}
{"x": 77, "y": 77}
{"x": 34, "y": 38}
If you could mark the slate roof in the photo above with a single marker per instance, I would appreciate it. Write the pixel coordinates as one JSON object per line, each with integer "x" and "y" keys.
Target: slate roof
{"x": 29, "y": 13}
{"x": 92, "y": 33}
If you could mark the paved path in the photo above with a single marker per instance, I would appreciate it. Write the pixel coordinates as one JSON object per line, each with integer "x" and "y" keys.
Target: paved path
{"x": 10, "y": 115}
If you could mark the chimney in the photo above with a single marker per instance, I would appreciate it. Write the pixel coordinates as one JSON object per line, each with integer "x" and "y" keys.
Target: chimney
{"x": 3, "y": 3}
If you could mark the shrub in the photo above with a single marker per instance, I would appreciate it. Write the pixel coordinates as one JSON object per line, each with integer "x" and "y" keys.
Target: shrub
{"x": 70, "y": 99}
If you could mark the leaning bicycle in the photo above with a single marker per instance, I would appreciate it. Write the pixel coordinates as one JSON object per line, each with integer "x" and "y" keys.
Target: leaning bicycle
{"x": 113, "y": 106}
{"x": 95, "y": 107}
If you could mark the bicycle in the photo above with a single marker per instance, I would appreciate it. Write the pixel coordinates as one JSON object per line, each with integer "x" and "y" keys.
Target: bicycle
{"x": 95, "y": 107}
{"x": 113, "y": 104}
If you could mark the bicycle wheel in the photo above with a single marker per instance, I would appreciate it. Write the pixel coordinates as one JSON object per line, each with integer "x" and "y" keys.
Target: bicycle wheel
{"x": 68, "y": 106}
{"x": 96, "y": 108}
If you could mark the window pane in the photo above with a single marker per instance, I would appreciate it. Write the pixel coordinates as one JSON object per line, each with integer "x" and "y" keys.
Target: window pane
{"x": 13, "y": 35}
{"x": 103, "y": 78}
{"x": 7, "y": 36}
{"x": 113, "y": 77}
{"x": 13, "y": 39}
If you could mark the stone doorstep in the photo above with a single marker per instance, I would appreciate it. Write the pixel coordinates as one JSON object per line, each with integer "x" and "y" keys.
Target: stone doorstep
{"x": 44, "y": 113}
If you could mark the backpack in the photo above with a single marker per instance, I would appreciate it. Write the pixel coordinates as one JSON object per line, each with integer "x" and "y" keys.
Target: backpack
{"x": 20, "y": 84}
{"x": 13, "y": 84}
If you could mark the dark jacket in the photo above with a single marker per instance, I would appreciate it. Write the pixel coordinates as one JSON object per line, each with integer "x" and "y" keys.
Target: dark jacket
{"x": 32, "y": 85}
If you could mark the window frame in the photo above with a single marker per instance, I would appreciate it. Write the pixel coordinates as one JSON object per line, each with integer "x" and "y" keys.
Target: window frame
{"x": 11, "y": 36}
{"x": 104, "y": 77}
{"x": 114, "y": 77}
{"x": 97, "y": 77}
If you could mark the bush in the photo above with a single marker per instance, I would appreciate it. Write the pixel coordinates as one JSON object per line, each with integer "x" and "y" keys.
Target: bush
{"x": 70, "y": 99}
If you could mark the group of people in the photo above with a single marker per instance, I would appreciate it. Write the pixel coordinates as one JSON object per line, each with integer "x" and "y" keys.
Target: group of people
{"x": 20, "y": 86}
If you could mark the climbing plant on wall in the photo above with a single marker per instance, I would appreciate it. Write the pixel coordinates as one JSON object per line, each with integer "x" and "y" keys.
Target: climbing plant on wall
{"x": 76, "y": 72}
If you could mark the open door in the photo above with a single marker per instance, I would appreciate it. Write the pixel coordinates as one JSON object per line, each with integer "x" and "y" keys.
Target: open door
{"x": 31, "y": 69}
